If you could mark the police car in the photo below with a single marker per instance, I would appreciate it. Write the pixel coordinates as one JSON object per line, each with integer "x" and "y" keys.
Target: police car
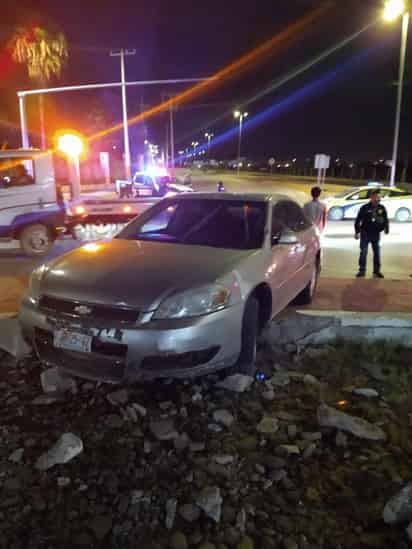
{"x": 152, "y": 182}
{"x": 346, "y": 205}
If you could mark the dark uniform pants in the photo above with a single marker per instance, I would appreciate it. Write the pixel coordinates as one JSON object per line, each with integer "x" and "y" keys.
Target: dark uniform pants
{"x": 364, "y": 245}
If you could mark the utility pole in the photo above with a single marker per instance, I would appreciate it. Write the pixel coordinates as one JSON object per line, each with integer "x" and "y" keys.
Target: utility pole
{"x": 127, "y": 160}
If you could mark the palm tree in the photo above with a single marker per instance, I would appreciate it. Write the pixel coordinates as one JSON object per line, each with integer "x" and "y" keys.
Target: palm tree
{"x": 44, "y": 54}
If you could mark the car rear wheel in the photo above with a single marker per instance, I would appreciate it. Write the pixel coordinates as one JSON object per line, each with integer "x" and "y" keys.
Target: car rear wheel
{"x": 246, "y": 363}
{"x": 402, "y": 215}
{"x": 336, "y": 214}
{"x": 307, "y": 294}
{"x": 36, "y": 240}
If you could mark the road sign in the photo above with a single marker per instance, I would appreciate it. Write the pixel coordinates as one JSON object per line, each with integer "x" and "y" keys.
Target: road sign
{"x": 322, "y": 162}
{"x": 271, "y": 161}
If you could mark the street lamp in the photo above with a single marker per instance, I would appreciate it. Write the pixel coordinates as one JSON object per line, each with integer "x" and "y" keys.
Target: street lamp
{"x": 392, "y": 11}
{"x": 240, "y": 115}
{"x": 208, "y": 137}
{"x": 194, "y": 145}
{"x": 72, "y": 145}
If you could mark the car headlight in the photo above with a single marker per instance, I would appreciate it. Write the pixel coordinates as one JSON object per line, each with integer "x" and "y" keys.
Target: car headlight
{"x": 35, "y": 282}
{"x": 199, "y": 301}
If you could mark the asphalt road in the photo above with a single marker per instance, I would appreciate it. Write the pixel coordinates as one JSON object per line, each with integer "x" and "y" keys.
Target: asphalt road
{"x": 340, "y": 248}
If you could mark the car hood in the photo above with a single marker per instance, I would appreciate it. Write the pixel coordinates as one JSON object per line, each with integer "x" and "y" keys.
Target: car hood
{"x": 136, "y": 274}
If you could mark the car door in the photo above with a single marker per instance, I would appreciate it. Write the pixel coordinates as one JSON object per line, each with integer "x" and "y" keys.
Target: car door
{"x": 355, "y": 201}
{"x": 285, "y": 259}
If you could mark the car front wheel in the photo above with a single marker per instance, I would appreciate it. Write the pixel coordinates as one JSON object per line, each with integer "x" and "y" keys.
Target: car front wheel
{"x": 336, "y": 214}
{"x": 246, "y": 363}
{"x": 403, "y": 215}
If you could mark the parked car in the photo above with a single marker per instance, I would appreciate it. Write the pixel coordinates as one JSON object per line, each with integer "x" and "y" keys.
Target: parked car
{"x": 346, "y": 205}
{"x": 184, "y": 289}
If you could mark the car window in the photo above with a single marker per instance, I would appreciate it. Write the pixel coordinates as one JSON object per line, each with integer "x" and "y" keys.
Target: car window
{"x": 290, "y": 215}
{"x": 397, "y": 193}
{"x": 360, "y": 195}
{"x": 14, "y": 173}
{"x": 232, "y": 224}
{"x": 138, "y": 178}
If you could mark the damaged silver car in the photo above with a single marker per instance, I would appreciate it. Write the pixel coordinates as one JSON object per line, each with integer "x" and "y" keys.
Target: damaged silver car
{"x": 183, "y": 290}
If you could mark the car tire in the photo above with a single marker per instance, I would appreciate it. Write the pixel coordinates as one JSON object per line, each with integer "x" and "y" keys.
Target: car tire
{"x": 336, "y": 214}
{"x": 307, "y": 294}
{"x": 403, "y": 215}
{"x": 246, "y": 363}
{"x": 36, "y": 240}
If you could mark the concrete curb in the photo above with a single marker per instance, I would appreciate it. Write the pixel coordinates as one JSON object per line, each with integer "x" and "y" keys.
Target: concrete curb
{"x": 11, "y": 338}
{"x": 310, "y": 327}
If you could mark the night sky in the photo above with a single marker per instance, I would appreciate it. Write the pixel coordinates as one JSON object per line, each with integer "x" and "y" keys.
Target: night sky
{"x": 349, "y": 114}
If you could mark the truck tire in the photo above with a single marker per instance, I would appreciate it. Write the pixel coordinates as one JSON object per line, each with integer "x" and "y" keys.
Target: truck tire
{"x": 36, "y": 240}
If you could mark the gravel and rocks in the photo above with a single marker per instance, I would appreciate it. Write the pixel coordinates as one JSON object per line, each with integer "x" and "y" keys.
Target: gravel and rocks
{"x": 84, "y": 470}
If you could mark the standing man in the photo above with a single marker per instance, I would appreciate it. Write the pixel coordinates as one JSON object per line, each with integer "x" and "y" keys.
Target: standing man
{"x": 315, "y": 210}
{"x": 371, "y": 221}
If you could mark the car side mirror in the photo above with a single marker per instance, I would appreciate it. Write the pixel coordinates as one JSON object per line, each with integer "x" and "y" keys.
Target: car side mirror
{"x": 288, "y": 238}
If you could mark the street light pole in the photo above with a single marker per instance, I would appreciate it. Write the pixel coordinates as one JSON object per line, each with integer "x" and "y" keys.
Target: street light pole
{"x": 208, "y": 137}
{"x": 241, "y": 116}
{"x": 127, "y": 160}
{"x": 23, "y": 122}
{"x": 404, "y": 42}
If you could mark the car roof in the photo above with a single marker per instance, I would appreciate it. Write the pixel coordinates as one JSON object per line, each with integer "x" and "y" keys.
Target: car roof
{"x": 374, "y": 187}
{"x": 244, "y": 197}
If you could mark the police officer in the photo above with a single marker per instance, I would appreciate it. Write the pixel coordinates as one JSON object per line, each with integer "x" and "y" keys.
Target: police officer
{"x": 372, "y": 219}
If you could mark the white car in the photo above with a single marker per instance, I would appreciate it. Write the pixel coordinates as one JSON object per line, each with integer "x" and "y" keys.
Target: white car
{"x": 346, "y": 205}
{"x": 183, "y": 290}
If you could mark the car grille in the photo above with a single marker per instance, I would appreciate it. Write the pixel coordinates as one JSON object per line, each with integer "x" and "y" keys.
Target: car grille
{"x": 97, "y": 312}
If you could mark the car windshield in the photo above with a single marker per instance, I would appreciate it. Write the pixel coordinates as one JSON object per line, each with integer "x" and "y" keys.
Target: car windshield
{"x": 232, "y": 224}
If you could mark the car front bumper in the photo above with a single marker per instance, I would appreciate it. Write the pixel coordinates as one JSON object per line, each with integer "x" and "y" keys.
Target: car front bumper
{"x": 167, "y": 348}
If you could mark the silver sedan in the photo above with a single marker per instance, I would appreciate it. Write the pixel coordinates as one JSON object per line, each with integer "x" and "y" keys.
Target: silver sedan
{"x": 184, "y": 289}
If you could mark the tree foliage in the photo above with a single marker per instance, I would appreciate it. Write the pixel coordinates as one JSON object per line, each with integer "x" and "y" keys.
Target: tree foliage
{"x": 43, "y": 53}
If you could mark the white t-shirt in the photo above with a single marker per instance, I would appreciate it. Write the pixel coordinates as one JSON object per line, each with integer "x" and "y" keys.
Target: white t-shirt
{"x": 315, "y": 211}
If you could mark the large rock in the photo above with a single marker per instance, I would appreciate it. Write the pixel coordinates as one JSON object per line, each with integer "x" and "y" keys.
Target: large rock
{"x": 210, "y": 501}
{"x": 53, "y": 381}
{"x": 66, "y": 448}
{"x": 163, "y": 429}
{"x": 366, "y": 392}
{"x": 280, "y": 379}
{"x": 224, "y": 417}
{"x": 330, "y": 417}
{"x": 117, "y": 398}
{"x": 268, "y": 425}
{"x": 238, "y": 383}
{"x": 399, "y": 507}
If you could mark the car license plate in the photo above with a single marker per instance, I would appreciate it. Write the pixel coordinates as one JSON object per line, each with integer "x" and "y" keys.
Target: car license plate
{"x": 72, "y": 341}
